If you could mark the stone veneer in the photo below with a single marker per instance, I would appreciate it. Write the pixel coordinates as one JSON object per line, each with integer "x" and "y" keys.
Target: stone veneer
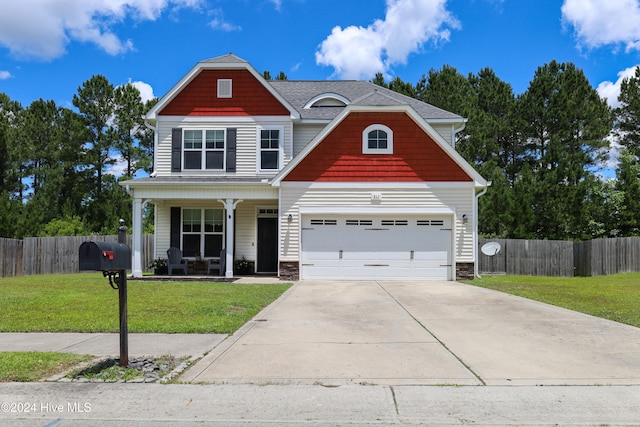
{"x": 464, "y": 271}
{"x": 289, "y": 270}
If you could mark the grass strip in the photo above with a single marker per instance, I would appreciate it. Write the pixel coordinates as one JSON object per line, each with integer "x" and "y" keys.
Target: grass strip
{"x": 35, "y": 366}
{"x": 615, "y": 297}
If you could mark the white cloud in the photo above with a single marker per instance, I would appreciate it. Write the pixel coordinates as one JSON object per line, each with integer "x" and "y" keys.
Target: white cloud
{"x": 5, "y": 75}
{"x": 219, "y": 23}
{"x": 359, "y": 53}
{"x": 43, "y": 28}
{"x": 604, "y": 22}
{"x": 119, "y": 168}
{"x": 145, "y": 89}
{"x": 610, "y": 90}
{"x": 277, "y": 4}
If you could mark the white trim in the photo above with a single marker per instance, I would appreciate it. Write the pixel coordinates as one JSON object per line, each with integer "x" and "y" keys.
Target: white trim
{"x": 203, "y": 151}
{"x": 365, "y": 140}
{"x": 281, "y": 142}
{"x": 267, "y": 215}
{"x": 347, "y": 210}
{"x": 202, "y": 233}
{"x": 221, "y": 119}
{"x": 327, "y": 95}
{"x": 378, "y": 185}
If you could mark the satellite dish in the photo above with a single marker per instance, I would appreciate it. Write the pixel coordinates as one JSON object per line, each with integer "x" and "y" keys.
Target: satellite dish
{"x": 491, "y": 248}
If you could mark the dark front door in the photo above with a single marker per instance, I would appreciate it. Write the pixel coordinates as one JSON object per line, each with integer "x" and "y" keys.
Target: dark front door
{"x": 267, "y": 245}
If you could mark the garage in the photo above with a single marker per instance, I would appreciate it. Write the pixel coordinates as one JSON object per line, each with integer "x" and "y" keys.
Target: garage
{"x": 370, "y": 247}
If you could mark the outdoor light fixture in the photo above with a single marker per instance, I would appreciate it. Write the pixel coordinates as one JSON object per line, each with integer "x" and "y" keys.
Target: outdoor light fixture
{"x": 465, "y": 219}
{"x": 290, "y": 218}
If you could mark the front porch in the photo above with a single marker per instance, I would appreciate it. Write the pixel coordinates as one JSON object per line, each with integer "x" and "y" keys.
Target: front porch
{"x": 207, "y": 220}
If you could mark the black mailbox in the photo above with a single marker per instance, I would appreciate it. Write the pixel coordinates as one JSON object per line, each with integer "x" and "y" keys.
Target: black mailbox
{"x": 104, "y": 256}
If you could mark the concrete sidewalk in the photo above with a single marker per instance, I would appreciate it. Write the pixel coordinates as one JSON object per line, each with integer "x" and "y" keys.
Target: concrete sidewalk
{"x": 147, "y": 405}
{"x": 103, "y": 344}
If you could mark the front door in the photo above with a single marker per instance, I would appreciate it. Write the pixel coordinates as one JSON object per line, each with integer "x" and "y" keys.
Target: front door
{"x": 267, "y": 245}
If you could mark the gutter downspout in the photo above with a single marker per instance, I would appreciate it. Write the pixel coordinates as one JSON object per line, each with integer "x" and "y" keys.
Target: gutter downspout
{"x": 475, "y": 230}
{"x": 456, "y": 130}
{"x": 155, "y": 146}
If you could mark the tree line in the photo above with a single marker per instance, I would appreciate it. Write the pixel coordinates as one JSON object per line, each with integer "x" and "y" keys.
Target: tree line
{"x": 543, "y": 150}
{"x": 57, "y": 173}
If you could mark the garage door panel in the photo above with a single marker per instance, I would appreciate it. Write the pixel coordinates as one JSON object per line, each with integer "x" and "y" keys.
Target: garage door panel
{"x": 372, "y": 247}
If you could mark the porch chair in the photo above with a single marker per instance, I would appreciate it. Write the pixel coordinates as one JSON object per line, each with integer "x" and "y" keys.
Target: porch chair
{"x": 176, "y": 262}
{"x": 219, "y": 265}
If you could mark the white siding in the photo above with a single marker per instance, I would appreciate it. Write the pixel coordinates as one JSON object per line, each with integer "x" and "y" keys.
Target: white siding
{"x": 246, "y": 150}
{"x": 162, "y": 229}
{"x": 246, "y": 233}
{"x": 459, "y": 200}
{"x": 207, "y": 192}
{"x": 303, "y": 134}
{"x": 445, "y": 130}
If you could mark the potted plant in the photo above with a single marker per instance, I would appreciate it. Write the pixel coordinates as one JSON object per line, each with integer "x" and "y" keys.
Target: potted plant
{"x": 198, "y": 256}
{"x": 243, "y": 266}
{"x": 159, "y": 266}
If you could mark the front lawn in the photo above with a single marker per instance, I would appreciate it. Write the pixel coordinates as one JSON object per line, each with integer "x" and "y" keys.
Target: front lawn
{"x": 615, "y": 297}
{"x": 35, "y": 366}
{"x": 86, "y": 303}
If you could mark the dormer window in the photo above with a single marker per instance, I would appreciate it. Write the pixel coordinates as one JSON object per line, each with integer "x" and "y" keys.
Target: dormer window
{"x": 224, "y": 88}
{"x": 377, "y": 139}
{"x": 327, "y": 100}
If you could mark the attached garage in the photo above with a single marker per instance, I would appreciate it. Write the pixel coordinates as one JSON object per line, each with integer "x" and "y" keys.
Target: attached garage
{"x": 376, "y": 247}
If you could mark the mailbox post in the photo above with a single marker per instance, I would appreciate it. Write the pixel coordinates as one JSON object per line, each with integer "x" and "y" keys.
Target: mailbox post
{"x": 113, "y": 259}
{"x": 122, "y": 298}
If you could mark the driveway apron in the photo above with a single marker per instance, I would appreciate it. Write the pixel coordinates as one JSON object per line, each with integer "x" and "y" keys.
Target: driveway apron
{"x": 420, "y": 333}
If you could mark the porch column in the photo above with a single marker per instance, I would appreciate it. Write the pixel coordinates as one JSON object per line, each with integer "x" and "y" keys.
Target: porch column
{"x": 229, "y": 208}
{"x": 136, "y": 239}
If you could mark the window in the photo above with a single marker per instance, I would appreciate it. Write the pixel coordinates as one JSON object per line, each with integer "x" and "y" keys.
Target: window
{"x": 270, "y": 149}
{"x": 224, "y": 88}
{"x": 202, "y": 232}
{"x": 204, "y": 149}
{"x": 377, "y": 139}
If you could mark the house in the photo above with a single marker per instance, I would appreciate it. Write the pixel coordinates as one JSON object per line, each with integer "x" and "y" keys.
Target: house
{"x": 308, "y": 179}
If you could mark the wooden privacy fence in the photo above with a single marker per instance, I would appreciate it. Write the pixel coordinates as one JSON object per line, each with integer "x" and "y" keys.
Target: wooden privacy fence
{"x": 607, "y": 256}
{"x": 54, "y": 255}
{"x": 528, "y": 257}
{"x": 59, "y": 255}
{"x": 562, "y": 258}
{"x": 10, "y": 257}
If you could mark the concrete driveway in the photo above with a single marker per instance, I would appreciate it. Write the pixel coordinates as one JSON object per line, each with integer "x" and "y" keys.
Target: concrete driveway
{"x": 429, "y": 333}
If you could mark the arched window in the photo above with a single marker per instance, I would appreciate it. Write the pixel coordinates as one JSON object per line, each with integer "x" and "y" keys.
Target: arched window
{"x": 377, "y": 139}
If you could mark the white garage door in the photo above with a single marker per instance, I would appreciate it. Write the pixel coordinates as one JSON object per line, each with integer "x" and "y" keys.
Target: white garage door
{"x": 376, "y": 247}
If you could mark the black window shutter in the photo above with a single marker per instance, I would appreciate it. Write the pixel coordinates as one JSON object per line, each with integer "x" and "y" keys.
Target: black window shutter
{"x": 176, "y": 150}
{"x": 174, "y": 233}
{"x": 231, "y": 149}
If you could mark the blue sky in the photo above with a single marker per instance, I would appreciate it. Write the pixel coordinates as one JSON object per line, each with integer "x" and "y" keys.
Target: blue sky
{"x": 48, "y": 48}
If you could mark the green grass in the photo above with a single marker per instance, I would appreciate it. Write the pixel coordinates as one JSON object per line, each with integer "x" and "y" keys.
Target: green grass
{"x": 86, "y": 303}
{"x": 615, "y": 297}
{"x": 32, "y": 366}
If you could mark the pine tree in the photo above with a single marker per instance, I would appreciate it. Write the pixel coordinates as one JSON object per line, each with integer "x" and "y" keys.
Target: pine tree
{"x": 129, "y": 126}
{"x": 564, "y": 125}
{"x": 628, "y": 184}
{"x": 628, "y": 115}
